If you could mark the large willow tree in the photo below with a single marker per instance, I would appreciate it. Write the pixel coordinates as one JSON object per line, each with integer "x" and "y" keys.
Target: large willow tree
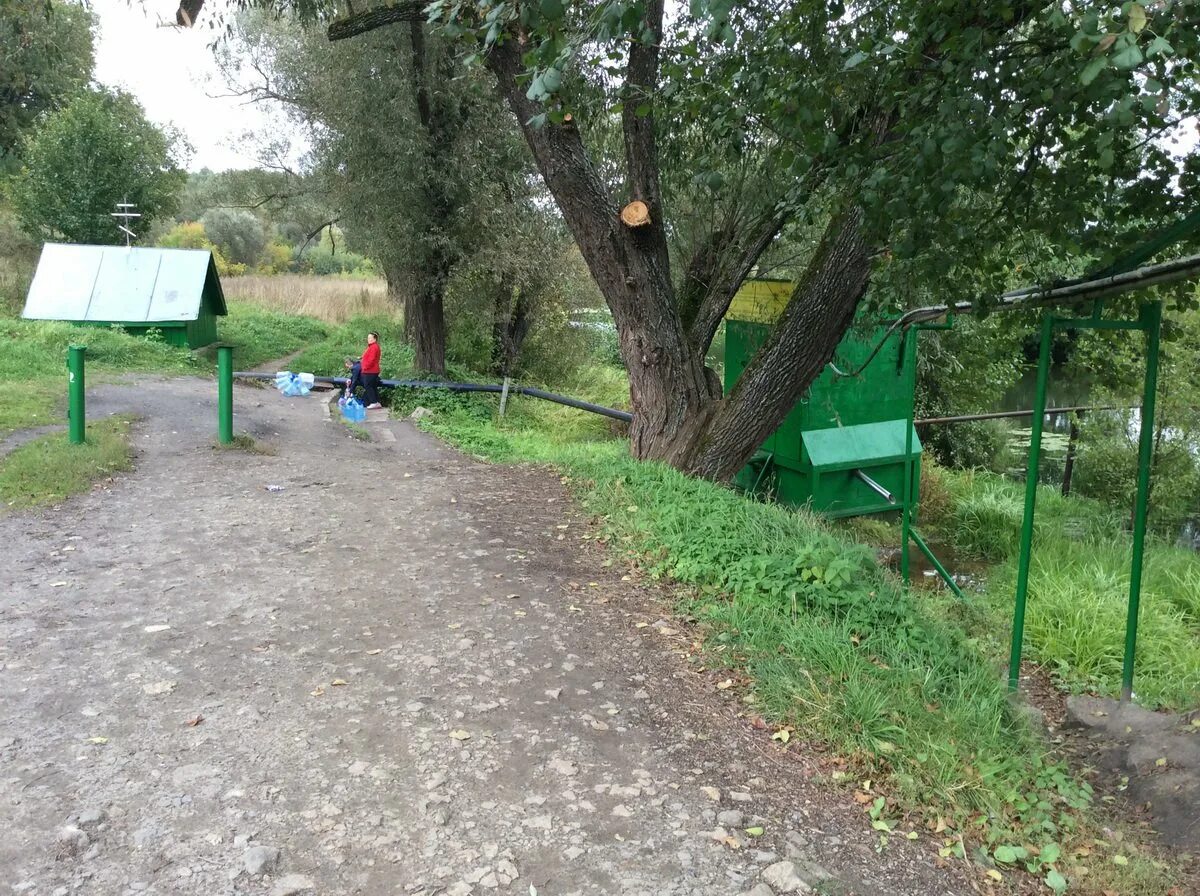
{"x": 917, "y": 144}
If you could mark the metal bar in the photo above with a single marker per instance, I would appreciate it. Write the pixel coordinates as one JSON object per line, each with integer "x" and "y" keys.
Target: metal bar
{"x": 907, "y": 504}
{"x": 225, "y": 394}
{"x": 998, "y": 415}
{"x": 1031, "y": 485}
{"x": 1152, "y": 317}
{"x": 614, "y": 413}
{"x": 875, "y": 487}
{"x": 1088, "y": 323}
{"x": 937, "y": 565}
{"x": 76, "y": 410}
{"x": 762, "y": 472}
{"x": 504, "y": 395}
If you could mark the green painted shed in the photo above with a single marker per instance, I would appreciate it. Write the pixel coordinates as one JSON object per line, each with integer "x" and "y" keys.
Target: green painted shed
{"x": 174, "y": 291}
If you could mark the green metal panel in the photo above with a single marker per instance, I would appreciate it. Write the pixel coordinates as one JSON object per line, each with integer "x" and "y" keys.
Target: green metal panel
{"x": 851, "y": 447}
{"x": 841, "y": 424}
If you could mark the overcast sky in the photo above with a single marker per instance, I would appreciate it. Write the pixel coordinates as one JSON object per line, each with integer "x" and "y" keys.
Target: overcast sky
{"x": 172, "y": 72}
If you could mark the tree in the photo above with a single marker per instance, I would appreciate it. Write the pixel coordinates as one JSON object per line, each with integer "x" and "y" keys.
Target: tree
{"x": 915, "y": 137}
{"x": 238, "y": 233}
{"x": 191, "y": 235}
{"x": 81, "y": 160}
{"x": 418, "y": 154}
{"x": 48, "y": 58}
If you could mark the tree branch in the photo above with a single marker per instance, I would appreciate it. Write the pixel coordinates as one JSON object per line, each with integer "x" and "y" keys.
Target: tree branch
{"x": 726, "y": 281}
{"x": 641, "y": 151}
{"x": 362, "y": 22}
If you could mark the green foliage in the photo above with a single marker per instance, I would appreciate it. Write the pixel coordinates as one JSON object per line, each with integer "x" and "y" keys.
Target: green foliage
{"x": 81, "y": 160}
{"x": 258, "y": 334}
{"x": 237, "y": 233}
{"x": 48, "y": 58}
{"x": 1079, "y": 588}
{"x": 327, "y": 357}
{"x": 49, "y": 470}
{"x": 192, "y": 235}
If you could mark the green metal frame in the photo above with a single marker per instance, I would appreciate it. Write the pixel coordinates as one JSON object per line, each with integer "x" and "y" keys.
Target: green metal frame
{"x": 1149, "y": 321}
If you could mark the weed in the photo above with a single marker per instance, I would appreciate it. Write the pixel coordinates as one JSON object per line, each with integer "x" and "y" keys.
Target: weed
{"x": 50, "y": 469}
{"x": 245, "y": 442}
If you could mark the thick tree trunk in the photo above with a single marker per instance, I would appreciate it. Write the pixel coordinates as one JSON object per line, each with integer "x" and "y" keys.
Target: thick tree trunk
{"x": 425, "y": 323}
{"x": 800, "y": 345}
{"x": 669, "y": 387}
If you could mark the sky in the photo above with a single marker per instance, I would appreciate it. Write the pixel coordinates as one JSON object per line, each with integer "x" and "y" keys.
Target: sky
{"x": 173, "y": 74}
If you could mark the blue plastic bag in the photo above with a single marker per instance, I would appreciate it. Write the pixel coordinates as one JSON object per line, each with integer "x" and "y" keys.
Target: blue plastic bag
{"x": 354, "y": 411}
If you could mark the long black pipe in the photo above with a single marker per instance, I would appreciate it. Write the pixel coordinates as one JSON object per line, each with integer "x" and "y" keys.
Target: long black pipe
{"x": 614, "y": 413}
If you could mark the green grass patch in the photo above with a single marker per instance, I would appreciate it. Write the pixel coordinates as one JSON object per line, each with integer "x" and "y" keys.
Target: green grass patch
{"x": 259, "y": 334}
{"x": 50, "y": 469}
{"x": 1079, "y": 590}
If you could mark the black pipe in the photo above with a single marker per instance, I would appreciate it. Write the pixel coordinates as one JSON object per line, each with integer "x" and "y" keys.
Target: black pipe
{"x": 615, "y": 414}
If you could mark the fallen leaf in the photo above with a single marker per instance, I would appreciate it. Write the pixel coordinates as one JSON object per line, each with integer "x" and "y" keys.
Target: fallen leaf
{"x": 911, "y": 835}
{"x": 1161, "y": 761}
{"x": 754, "y": 832}
{"x": 459, "y": 734}
{"x": 513, "y": 596}
{"x": 727, "y": 683}
{"x": 97, "y": 740}
{"x": 374, "y": 652}
{"x": 783, "y": 735}
{"x": 318, "y": 692}
{"x": 642, "y": 625}
{"x": 338, "y": 682}
{"x": 192, "y": 723}
{"x": 155, "y": 629}
{"x": 520, "y": 613}
{"x": 1120, "y": 860}
{"x": 57, "y": 584}
{"x": 994, "y": 874}
{"x": 863, "y": 798}
{"x": 712, "y": 793}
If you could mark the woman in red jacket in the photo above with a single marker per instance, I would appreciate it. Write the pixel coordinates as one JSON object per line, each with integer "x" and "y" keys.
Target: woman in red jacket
{"x": 370, "y": 371}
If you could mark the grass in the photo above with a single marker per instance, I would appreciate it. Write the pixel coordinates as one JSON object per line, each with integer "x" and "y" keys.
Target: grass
{"x": 49, "y": 470}
{"x": 1079, "y": 589}
{"x": 335, "y": 300}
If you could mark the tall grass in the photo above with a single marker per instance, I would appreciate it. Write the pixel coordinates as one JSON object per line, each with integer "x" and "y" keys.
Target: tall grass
{"x": 333, "y": 299}
{"x": 1079, "y": 588}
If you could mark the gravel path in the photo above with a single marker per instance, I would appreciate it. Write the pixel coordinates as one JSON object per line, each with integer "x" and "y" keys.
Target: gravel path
{"x": 397, "y": 671}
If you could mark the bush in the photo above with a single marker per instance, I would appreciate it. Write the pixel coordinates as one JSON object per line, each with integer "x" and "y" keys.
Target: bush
{"x": 238, "y": 234}
{"x": 977, "y": 445}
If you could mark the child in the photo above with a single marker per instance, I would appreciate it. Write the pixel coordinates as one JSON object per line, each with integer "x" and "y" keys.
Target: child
{"x": 355, "y": 368}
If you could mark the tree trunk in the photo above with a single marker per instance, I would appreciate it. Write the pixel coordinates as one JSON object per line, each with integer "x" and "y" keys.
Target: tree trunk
{"x": 425, "y": 323}
{"x": 510, "y": 326}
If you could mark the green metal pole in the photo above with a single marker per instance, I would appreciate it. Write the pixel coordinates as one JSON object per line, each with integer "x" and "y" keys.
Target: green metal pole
{"x": 1031, "y": 485}
{"x": 1151, "y": 316}
{"x": 906, "y": 508}
{"x": 76, "y": 412}
{"x": 225, "y": 394}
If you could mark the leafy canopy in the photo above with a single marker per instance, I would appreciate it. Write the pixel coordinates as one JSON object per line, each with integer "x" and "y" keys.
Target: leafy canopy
{"x": 84, "y": 158}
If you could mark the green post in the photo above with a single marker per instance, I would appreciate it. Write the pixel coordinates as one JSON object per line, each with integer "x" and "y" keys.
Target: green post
{"x": 906, "y": 508}
{"x": 225, "y": 394}
{"x": 1151, "y": 318}
{"x": 1031, "y": 485}
{"x": 76, "y": 412}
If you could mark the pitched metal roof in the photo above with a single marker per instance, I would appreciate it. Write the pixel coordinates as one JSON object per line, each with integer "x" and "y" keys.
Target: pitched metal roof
{"x": 122, "y": 285}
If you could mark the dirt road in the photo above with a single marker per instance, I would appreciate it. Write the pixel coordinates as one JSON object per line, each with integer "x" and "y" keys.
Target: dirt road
{"x": 371, "y": 668}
